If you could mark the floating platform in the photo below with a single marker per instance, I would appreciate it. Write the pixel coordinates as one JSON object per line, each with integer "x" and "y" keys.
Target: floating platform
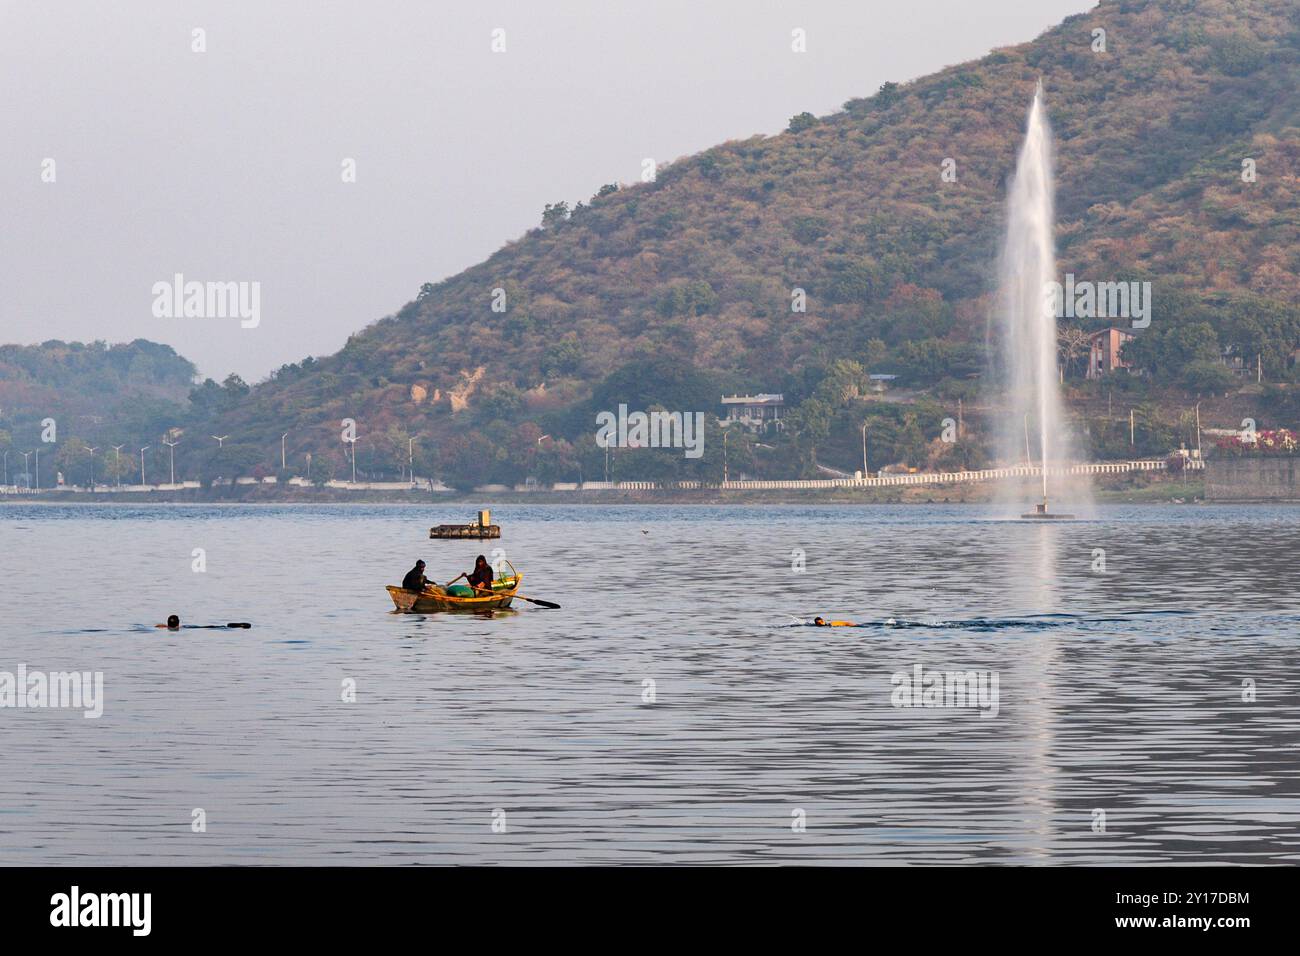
{"x": 1041, "y": 513}
{"x": 465, "y": 531}
{"x": 482, "y": 528}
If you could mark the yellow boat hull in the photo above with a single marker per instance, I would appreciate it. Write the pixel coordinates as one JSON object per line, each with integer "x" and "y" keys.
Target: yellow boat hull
{"x": 435, "y": 599}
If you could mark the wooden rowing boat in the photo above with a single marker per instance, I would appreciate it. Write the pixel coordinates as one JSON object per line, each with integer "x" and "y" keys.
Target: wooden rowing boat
{"x": 435, "y": 599}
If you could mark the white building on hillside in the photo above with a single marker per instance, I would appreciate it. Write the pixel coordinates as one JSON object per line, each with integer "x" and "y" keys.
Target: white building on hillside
{"x": 753, "y": 411}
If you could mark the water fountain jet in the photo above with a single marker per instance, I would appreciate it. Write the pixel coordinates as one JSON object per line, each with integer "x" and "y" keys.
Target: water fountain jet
{"x": 1027, "y": 267}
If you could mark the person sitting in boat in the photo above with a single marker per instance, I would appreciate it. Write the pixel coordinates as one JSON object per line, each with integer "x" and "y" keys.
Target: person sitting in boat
{"x": 415, "y": 579}
{"x": 481, "y": 576}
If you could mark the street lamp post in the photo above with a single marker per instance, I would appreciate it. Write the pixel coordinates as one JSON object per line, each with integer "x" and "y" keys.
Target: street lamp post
{"x": 353, "y": 443}
{"x": 26, "y": 468}
{"x": 725, "y": 435}
{"x": 1198, "y": 432}
{"x": 410, "y": 460}
{"x": 171, "y": 445}
{"x": 6, "y": 459}
{"x": 142, "y": 451}
{"x": 309, "y": 466}
{"x": 38, "y": 468}
{"x": 221, "y": 440}
{"x": 117, "y": 463}
{"x": 92, "y": 451}
{"x": 865, "y": 473}
{"x": 283, "y": 466}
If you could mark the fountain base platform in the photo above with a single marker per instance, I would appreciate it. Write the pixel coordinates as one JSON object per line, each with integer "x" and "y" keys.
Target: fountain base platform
{"x": 1041, "y": 513}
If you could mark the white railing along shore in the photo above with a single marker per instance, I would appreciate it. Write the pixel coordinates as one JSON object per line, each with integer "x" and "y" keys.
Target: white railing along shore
{"x": 425, "y": 485}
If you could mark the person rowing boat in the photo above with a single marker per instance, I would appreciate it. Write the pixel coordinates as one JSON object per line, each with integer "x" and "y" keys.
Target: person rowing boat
{"x": 415, "y": 579}
{"x": 480, "y": 579}
{"x": 483, "y": 592}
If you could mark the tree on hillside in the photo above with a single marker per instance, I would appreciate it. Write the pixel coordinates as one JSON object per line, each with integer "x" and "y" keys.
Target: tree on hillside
{"x": 807, "y": 426}
{"x": 1207, "y": 378}
{"x": 556, "y": 461}
{"x": 1072, "y": 344}
{"x": 687, "y": 298}
{"x": 235, "y": 388}
{"x": 114, "y": 467}
{"x": 231, "y": 460}
{"x": 554, "y": 214}
{"x": 1166, "y": 351}
{"x": 844, "y": 381}
{"x": 801, "y": 122}
{"x": 73, "y": 459}
{"x": 467, "y": 461}
{"x": 731, "y": 446}
{"x": 395, "y": 449}
{"x": 662, "y": 380}
{"x": 1259, "y": 327}
{"x": 911, "y": 444}
{"x": 889, "y": 94}
{"x": 563, "y": 357}
{"x": 931, "y": 360}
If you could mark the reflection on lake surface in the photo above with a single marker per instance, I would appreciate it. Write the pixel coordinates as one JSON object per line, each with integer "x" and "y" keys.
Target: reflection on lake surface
{"x": 1119, "y": 692}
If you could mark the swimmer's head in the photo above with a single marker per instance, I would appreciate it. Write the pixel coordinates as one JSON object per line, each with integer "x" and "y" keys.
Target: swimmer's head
{"x": 173, "y": 622}
{"x": 819, "y": 622}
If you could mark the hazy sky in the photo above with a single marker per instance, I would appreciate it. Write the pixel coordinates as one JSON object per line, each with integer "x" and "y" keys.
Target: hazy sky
{"x": 226, "y": 165}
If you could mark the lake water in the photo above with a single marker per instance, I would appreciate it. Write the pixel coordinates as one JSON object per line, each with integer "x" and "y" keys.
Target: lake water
{"x": 1146, "y": 713}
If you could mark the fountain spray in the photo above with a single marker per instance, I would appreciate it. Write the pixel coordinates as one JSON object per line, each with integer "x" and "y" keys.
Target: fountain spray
{"x": 1027, "y": 316}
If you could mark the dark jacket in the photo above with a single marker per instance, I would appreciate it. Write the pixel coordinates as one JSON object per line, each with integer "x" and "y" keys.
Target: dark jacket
{"x": 481, "y": 577}
{"x": 415, "y": 579}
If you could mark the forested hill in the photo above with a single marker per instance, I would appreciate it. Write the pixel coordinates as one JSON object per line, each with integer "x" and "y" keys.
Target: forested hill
{"x": 852, "y": 208}
{"x": 84, "y": 385}
{"x": 684, "y": 285}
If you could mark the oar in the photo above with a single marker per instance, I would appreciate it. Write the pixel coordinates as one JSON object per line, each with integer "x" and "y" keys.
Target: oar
{"x": 540, "y": 603}
{"x": 435, "y": 584}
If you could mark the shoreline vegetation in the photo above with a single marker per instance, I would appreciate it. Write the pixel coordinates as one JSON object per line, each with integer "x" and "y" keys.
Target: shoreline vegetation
{"x": 1120, "y": 489}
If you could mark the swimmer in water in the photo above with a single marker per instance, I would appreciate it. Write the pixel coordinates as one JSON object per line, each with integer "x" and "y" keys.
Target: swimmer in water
{"x": 822, "y": 622}
{"x": 174, "y": 624}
